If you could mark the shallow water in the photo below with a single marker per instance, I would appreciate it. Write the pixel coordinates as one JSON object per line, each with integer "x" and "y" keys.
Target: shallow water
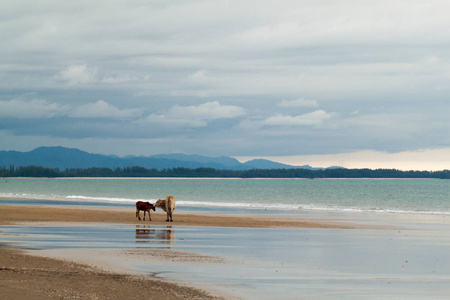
{"x": 266, "y": 263}
{"x": 417, "y": 196}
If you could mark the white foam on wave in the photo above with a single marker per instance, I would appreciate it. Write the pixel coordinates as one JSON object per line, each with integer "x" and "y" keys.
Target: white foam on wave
{"x": 30, "y": 196}
{"x": 373, "y": 210}
{"x": 232, "y": 205}
{"x": 238, "y": 205}
{"x": 311, "y": 207}
{"x": 105, "y": 199}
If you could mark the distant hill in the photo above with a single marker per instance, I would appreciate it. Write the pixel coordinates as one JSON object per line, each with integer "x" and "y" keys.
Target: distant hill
{"x": 221, "y": 162}
{"x": 268, "y": 164}
{"x": 66, "y": 158}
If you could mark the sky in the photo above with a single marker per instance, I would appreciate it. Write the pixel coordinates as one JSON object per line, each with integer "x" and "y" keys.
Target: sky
{"x": 354, "y": 83}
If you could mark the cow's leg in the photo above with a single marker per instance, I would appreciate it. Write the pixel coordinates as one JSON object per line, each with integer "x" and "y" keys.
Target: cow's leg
{"x": 171, "y": 220}
{"x": 149, "y": 216}
{"x": 167, "y": 220}
{"x": 137, "y": 214}
{"x": 144, "y": 215}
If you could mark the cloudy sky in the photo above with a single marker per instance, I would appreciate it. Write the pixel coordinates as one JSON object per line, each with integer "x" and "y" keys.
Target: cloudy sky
{"x": 297, "y": 81}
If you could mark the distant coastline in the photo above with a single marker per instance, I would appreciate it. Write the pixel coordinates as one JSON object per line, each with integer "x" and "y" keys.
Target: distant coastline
{"x": 140, "y": 172}
{"x": 63, "y": 162}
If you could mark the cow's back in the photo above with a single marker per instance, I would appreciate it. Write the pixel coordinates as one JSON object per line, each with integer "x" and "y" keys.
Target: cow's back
{"x": 170, "y": 204}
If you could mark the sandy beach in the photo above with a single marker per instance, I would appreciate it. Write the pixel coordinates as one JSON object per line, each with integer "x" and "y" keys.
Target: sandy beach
{"x": 88, "y": 252}
{"x": 11, "y": 214}
{"x": 24, "y": 276}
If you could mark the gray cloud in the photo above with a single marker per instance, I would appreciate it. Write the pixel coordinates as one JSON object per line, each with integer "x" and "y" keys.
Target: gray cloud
{"x": 76, "y": 74}
{"x": 313, "y": 118}
{"x": 298, "y": 103}
{"x": 225, "y": 77}
{"x": 36, "y": 108}
{"x": 102, "y": 109}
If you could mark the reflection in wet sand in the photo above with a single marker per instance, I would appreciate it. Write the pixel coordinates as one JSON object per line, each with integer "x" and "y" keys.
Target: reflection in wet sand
{"x": 146, "y": 234}
{"x": 261, "y": 263}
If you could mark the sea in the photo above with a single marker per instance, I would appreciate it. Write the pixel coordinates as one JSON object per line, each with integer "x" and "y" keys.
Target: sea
{"x": 290, "y": 196}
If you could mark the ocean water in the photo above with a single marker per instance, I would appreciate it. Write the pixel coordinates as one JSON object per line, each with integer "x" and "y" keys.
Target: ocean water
{"x": 413, "y": 196}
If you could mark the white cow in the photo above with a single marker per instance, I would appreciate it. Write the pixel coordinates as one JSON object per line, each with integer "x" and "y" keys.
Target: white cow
{"x": 168, "y": 206}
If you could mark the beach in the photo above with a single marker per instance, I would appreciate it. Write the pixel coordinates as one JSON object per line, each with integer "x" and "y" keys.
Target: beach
{"x": 51, "y": 251}
{"x": 12, "y": 214}
{"x": 25, "y": 276}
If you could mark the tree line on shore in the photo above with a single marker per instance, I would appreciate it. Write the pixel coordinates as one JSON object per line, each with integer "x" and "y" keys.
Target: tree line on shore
{"x": 37, "y": 171}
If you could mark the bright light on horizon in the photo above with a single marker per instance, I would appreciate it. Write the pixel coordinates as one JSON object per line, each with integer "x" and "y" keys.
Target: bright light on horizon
{"x": 420, "y": 160}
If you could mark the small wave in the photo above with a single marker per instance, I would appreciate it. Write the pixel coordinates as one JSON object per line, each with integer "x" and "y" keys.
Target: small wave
{"x": 310, "y": 207}
{"x": 233, "y": 205}
{"x": 373, "y": 210}
{"x": 238, "y": 205}
{"x": 29, "y": 196}
{"x": 103, "y": 199}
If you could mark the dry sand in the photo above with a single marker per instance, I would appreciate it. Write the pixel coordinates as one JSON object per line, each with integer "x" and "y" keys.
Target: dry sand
{"x": 23, "y": 276}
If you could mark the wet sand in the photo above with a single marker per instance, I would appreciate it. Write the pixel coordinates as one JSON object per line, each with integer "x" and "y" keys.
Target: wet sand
{"x": 11, "y": 214}
{"x": 24, "y": 276}
{"x": 250, "y": 263}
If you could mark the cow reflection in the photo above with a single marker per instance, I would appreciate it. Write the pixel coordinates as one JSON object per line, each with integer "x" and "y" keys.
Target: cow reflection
{"x": 147, "y": 234}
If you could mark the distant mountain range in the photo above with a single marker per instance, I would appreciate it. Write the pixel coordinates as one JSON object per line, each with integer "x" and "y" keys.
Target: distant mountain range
{"x": 67, "y": 158}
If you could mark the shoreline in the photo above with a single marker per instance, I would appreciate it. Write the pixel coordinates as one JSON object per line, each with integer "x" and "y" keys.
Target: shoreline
{"x": 18, "y": 213}
{"x": 235, "y": 178}
{"x": 28, "y": 274}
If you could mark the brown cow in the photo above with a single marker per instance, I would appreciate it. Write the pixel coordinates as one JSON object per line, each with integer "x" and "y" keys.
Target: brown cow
{"x": 168, "y": 206}
{"x": 146, "y": 207}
